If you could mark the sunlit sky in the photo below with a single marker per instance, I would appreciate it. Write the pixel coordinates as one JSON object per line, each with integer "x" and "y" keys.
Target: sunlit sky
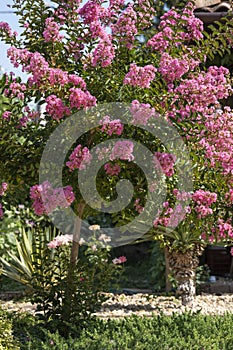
{"x": 11, "y": 19}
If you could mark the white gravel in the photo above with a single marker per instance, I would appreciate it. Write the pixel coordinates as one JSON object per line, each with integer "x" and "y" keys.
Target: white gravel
{"x": 146, "y": 305}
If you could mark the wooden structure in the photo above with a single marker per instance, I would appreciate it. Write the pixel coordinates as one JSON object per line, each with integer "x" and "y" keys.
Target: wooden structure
{"x": 211, "y": 10}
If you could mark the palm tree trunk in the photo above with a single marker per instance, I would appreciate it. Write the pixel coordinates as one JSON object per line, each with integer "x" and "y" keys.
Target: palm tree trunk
{"x": 183, "y": 266}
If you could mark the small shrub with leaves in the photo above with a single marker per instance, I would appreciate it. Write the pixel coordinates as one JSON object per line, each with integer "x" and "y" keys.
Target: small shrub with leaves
{"x": 93, "y": 274}
{"x": 7, "y": 341}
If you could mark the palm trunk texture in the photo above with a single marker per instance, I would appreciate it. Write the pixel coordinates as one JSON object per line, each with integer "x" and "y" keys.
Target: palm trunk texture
{"x": 183, "y": 265}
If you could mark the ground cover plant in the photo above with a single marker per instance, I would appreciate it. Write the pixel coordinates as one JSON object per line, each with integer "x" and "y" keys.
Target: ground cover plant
{"x": 187, "y": 331}
{"x": 151, "y": 114}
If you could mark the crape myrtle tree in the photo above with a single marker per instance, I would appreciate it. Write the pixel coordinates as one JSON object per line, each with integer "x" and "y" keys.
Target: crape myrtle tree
{"x": 79, "y": 56}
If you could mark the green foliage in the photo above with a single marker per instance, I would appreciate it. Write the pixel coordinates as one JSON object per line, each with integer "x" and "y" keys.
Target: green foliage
{"x": 157, "y": 269}
{"x": 186, "y": 331}
{"x": 30, "y": 253}
{"x": 7, "y": 341}
{"x": 91, "y": 277}
{"x": 14, "y": 221}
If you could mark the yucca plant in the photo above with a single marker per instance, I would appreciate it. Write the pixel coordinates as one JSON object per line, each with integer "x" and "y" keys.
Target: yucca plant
{"x": 31, "y": 249}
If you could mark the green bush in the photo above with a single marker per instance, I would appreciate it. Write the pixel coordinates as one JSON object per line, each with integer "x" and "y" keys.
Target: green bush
{"x": 7, "y": 341}
{"x": 176, "y": 332}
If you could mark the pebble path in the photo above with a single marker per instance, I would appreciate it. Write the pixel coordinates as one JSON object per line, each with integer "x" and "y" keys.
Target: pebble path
{"x": 121, "y": 305}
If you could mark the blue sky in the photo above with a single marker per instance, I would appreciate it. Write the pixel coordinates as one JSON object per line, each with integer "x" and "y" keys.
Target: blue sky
{"x": 12, "y": 20}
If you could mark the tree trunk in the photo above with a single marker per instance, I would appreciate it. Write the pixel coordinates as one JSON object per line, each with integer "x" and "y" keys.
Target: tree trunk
{"x": 183, "y": 266}
{"x": 67, "y": 306}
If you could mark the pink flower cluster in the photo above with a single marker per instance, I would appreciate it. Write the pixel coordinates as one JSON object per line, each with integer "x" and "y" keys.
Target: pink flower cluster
{"x": 90, "y": 11}
{"x": 138, "y": 207}
{"x": 182, "y": 195}
{"x": 112, "y": 169}
{"x": 111, "y": 126}
{"x": 224, "y": 230}
{"x": 140, "y": 76}
{"x": 15, "y": 90}
{"x": 166, "y": 161}
{"x": 104, "y": 52}
{"x": 56, "y": 108}
{"x": 6, "y": 115}
{"x": 141, "y": 112}
{"x": 229, "y": 196}
{"x": 122, "y": 150}
{"x": 1, "y": 211}
{"x": 204, "y": 199}
{"x": 51, "y": 32}
{"x": 55, "y": 78}
{"x": 81, "y": 99}
{"x": 6, "y": 29}
{"x": 3, "y": 188}
{"x": 125, "y": 28}
{"x": 217, "y": 140}
{"x": 46, "y": 199}
{"x": 60, "y": 241}
{"x": 171, "y": 217}
{"x": 190, "y": 28}
{"x": 174, "y": 68}
{"x": 79, "y": 158}
{"x": 198, "y": 92}
{"x": 122, "y": 259}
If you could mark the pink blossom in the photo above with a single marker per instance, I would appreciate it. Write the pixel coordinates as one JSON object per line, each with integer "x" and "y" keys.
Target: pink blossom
{"x": 174, "y": 68}
{"x": 122, "y": 150}
{"x": 23, "y": 122}
{"x": 6, "y": 29}
{"x": 111, "y": 126}
{"x": 204, "y": 197}
{"x": 57, "y": 76}
{"x": 46, "y": 199}
{"x": 120, "y": 260}
{"x": 56, "y": 108}
{"x": 211, "y": 239}
{"x": 203, "y": 236}
{"x": 166, "y": 161}
{"x": 81, "y": 99}
{"x": 224, "y": 229}
{"x": 182, "y": 195}
{"x": 140, "y": 76}
{"x": 60, "y": 241}
{"x": 231, "y": 251}
{"x": 77, "y": 81}
{"x": 104, "y": 53}
{"x": 1, "y": 211}
{"x": 51, "y": 32}
{"x": 198, "y": 92}
{"x": 112, "y": 169}
{"x": 6, "y": 115}
{"x": 138, "y": 206}
{"x": 79, "y": 158}
{"x": 90, "y": 11}
{"x": 217, "y": 140}
{"x": 103, "y": 152}
{"x": 189, "y": 28}
{"x": 141, "y": 112}
{"x": 125, "y": 27}
{"x": 3, "y": 188}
